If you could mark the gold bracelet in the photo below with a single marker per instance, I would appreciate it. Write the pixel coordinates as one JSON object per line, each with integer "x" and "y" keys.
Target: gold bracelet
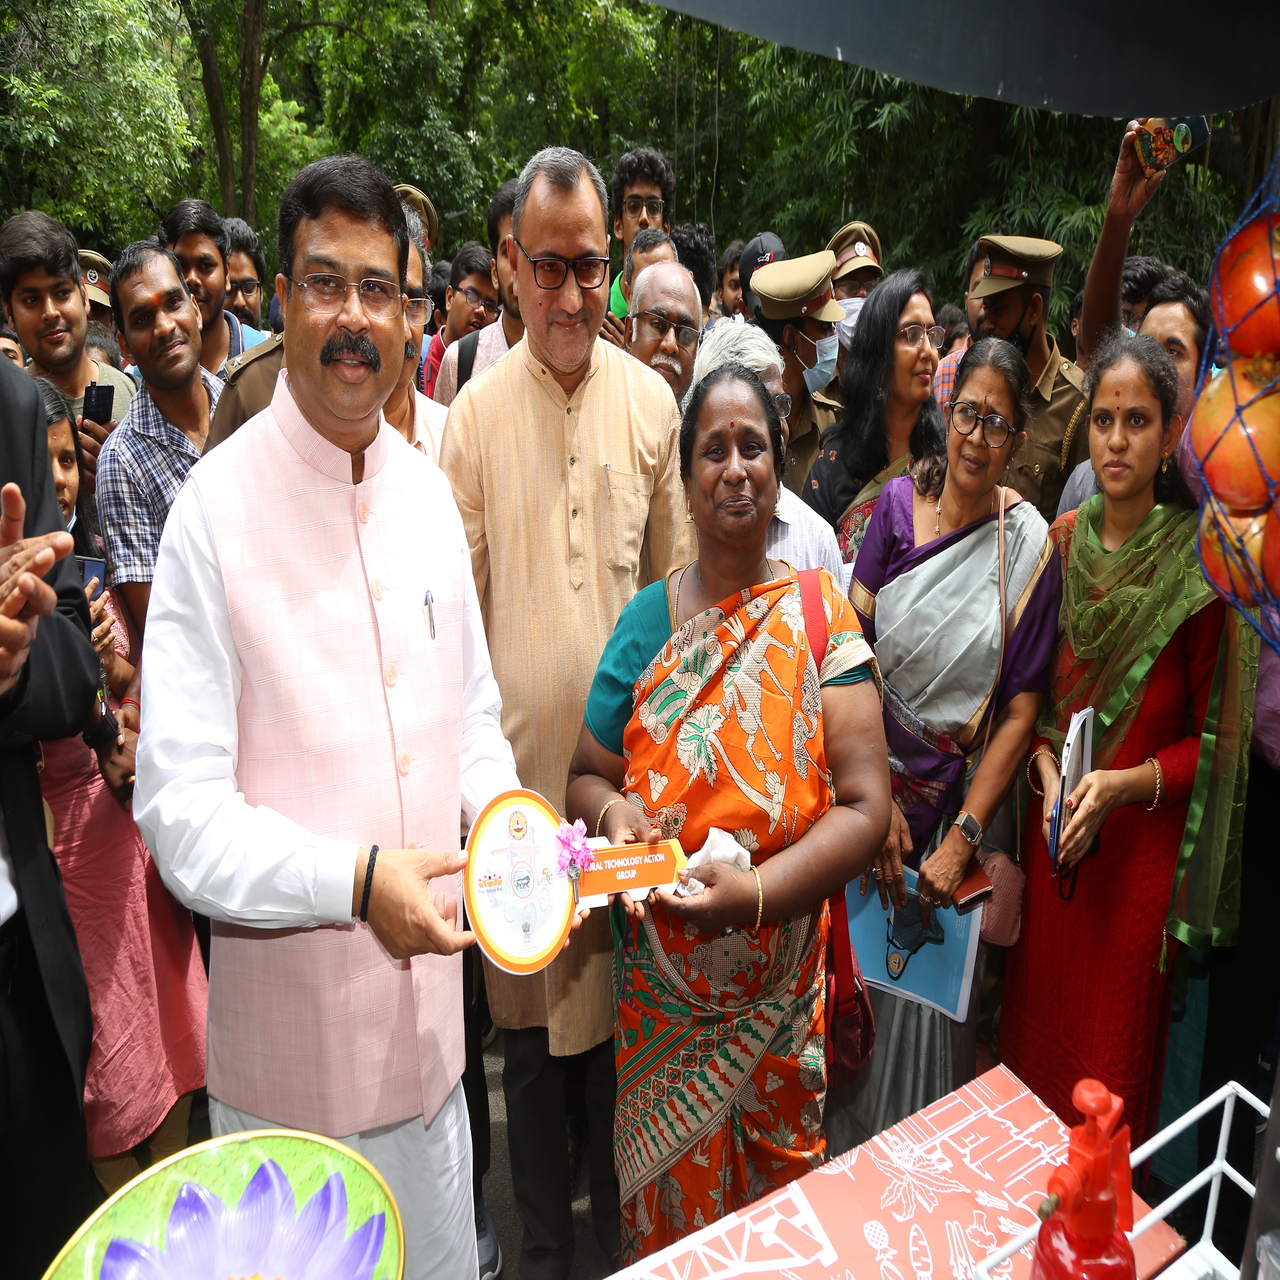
{"x": 759, "y": 896}
{"x": 604, "y": 810}
{"x": 1159, "y": 782}
{"x": 1040, "y": 750}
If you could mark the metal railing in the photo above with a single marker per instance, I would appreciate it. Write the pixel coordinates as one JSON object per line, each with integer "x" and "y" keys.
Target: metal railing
{"x": 1214, "y": 1263}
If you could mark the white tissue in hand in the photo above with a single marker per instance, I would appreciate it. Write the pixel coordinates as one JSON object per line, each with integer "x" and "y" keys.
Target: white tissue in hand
{"x": 720, "y": 846}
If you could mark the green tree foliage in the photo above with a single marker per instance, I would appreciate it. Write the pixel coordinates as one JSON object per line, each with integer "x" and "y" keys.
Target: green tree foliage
{"x": 455, "y": 95}
{"x": 92, "y": 123}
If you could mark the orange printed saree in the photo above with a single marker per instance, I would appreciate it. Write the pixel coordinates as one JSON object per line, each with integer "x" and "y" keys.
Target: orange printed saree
{"x": 720, "y": 1040}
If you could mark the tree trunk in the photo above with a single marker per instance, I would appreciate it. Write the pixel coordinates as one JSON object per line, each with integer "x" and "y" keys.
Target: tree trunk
{"x": 252, "y": 71}
{"x": 215, "y": 100}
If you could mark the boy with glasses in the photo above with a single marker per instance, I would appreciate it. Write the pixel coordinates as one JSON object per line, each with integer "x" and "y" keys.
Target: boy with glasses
{"x": 470, "y": 303}
{"x": 644, "y": 195}
{"x": 246, "y": 272}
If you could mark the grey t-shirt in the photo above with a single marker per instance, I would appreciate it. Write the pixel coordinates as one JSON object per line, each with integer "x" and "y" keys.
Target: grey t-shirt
{"x": 124, "y": 390}
{"x": 1081, "y": 485}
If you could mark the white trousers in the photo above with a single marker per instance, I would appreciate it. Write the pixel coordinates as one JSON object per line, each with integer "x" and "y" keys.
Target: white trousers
{"x": 427, "y": 1167}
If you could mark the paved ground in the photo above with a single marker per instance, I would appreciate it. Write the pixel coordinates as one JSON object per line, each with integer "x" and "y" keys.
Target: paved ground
{"x": 589, "y": 1261}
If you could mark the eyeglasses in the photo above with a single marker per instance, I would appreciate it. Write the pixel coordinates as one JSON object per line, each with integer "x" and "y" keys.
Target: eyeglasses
{"x": 915, "y": 334}
{"x": 686, "y": 335}
{"x": 783, "y": 401}
{"x": 995, "y": 428}
{"x": 326, "y": 295}
{"x": 477, "y": 301}
{"x": 248, "y": 287}
{"x": 549, "y": 272}
{"x": 632, "y": 205}
{"x": 418, "y": 310}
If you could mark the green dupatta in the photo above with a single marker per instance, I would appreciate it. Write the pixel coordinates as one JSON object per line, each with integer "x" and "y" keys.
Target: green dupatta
{"x": 1119, "y": 610}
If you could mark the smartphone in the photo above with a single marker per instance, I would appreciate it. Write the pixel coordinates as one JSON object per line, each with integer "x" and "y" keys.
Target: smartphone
{"x": 1163, "y": 141}
{"x": 94, "y": 569}
{"x": 98, "y": 399}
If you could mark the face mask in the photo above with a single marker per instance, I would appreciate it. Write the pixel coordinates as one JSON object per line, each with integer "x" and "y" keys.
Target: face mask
{"x": 826, "y": 350}
{"x": 845, "y": 327}
{"x": 71, "y": 524}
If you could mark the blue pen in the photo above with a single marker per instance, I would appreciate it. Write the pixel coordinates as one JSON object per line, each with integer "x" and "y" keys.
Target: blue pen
{"x": 431, "y": 615}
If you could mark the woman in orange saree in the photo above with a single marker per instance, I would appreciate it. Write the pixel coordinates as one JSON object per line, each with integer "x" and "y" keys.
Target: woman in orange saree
{"x": 712, "y": 720}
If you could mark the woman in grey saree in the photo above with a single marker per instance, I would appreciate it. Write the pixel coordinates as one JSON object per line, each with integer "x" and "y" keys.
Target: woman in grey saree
{"x": 926, "y": 589}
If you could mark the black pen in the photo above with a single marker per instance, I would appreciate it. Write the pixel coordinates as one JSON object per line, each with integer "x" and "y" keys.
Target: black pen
{"x": 431, "y": 614}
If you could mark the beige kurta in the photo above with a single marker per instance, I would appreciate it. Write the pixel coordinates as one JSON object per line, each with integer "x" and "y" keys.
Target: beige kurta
{"x": 571, "y": 505}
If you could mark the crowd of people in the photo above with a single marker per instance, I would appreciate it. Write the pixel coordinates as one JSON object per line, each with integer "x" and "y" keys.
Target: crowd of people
{"x": 774, "y": 554}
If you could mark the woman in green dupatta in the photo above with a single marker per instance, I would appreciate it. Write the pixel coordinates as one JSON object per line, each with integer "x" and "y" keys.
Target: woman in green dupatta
{"x": 1150, "y": 850}
{"x": 890, "y": 418}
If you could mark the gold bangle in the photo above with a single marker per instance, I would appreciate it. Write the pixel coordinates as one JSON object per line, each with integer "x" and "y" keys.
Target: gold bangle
{"x": 759, "y": 896}
{"x": 1159, "y": 782}
{"x": 600, "y": 819}
{"x": 1043, "y": 749}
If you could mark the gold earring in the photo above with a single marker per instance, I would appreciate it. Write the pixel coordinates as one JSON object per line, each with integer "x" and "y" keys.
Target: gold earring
{"x": 688, "y": 513}
{"x": 1164, "y": 466}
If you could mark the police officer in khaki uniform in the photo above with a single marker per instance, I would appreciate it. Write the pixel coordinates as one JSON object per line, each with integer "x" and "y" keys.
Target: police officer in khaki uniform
{"x": 1014, "y": 289}
{"x": 798, "y": 310}
{"x": 249, "y": 384}
{"x": 858, "y": 257}
{"x": 95, "y": 270}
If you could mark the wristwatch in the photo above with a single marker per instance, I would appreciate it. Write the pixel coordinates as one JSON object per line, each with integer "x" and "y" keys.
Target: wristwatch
{"x": 970, "y": 827}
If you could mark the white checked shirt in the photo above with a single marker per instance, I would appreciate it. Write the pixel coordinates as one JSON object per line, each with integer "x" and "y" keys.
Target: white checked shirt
{"x": 140, "y": 470}
{"x": 801, "y": 537}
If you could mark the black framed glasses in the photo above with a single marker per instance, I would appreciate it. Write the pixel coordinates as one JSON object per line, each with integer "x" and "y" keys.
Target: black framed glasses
{"x": 914, "y": 335}
{"x": 326, "y": 294}
{"x": 478, "y": 302}
{"x": 632, "y": 205}
{"x": 249, "y": 288}
{"x": 996, "y": 428}
{"x": 419, "y": 310}
{"x": 686, "y": 335}
{"x": 550, "y": 272}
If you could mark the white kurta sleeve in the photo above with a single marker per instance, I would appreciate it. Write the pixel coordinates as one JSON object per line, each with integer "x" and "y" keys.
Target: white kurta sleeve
{"x": 216, "y": 853}
{"x": 488, "y": 765}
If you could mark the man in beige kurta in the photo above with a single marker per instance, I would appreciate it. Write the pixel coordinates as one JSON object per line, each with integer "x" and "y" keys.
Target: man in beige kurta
{"x": 565, "y": 465}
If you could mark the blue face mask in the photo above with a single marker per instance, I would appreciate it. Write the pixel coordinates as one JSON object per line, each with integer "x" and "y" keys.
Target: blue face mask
{"x": 823, "y": 370}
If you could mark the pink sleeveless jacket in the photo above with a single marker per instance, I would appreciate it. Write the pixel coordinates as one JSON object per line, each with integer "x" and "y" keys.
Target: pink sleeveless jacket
{"x": 350, "y": 723}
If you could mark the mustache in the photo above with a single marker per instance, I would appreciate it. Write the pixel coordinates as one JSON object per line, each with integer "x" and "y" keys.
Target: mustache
{"x": 667, "y": 361}
{"x": 350, "y": 344}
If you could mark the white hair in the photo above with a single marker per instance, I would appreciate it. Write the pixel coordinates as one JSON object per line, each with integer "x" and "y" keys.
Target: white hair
{"x": 649, "y": 277}
{"x": 732, "y": 343}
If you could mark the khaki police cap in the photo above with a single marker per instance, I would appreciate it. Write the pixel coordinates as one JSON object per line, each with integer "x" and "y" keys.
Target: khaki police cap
{"x": 797, "y": 288}
{"x": 95, "y": 269}
{"x": 419, "y": 201}
{"x": 856, "y": 246}
{"x": 1010, "y": 261}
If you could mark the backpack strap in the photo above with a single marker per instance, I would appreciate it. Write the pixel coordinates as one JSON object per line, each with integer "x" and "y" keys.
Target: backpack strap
{"x": 467, "y": 355}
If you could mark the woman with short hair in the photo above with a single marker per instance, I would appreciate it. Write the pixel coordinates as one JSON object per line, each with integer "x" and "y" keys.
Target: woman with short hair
{"x": 726, "y": 708}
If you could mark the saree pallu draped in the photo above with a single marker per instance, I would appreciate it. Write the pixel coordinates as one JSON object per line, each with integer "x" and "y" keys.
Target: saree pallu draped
{"x": 932, "y": 614}
{"x": 851, "y": 528}
{"x": 720, "y": 1040}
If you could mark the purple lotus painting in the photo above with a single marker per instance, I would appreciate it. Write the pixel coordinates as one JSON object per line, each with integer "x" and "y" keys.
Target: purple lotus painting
{"x": 264, "y": 1237}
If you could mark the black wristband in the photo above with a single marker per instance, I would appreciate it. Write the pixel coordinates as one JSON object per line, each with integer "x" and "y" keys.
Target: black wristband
{"x": 368, "y": 884}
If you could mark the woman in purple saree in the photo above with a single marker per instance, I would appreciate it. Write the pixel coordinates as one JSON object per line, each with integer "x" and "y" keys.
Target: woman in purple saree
{"x": 926, "y": 589}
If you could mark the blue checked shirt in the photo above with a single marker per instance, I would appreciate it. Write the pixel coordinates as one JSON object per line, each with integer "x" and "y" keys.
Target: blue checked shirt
{"x": 140, "y": 470}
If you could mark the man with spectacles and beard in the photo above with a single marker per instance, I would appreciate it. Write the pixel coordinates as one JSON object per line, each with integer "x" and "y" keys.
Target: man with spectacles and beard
{"x": 470, "y": 303}
{"x": 198, "y": 238}
{"x": 1014, "y": 292}
{"x": 316, "y": 550}
{"x": 246, "y": 271}
{"x": 564, "y": 461}
{"x": 665, "y": 323}
{"x": 476, "y": 351}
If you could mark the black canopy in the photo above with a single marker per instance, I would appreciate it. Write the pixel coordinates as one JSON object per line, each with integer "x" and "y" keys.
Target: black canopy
{"x": 1103, "y": 59}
